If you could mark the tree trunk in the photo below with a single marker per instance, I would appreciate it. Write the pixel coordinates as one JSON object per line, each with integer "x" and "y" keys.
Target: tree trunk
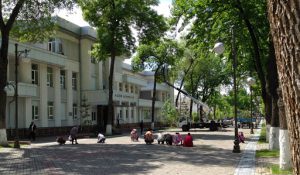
{"x": 272, "y": 85}
{"x": 154, "y": 98}
{"x": 191, "y": 110}
{"x": 284, "y": 20}
{"x": 258, "y": 65}
{"x": 284, "y": 144}
{"x": 3, "y": 82}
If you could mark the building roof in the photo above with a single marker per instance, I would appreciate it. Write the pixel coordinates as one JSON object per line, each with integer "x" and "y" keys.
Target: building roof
{"x": 73, "y": 28}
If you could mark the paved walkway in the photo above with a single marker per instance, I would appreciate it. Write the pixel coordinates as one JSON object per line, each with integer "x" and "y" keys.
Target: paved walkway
{"x": 212, "y": 154}
{"x": 246, "y": 165}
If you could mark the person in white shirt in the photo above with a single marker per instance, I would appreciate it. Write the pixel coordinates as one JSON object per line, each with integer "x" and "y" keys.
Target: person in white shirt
{"x": 101, "y": 138}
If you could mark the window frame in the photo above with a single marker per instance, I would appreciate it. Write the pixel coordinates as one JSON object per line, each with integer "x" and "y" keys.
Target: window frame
{"x": 49, "y": 77}
{"x": 62, "y": 79}
{"x": 35, "y": 112}
{"x": 74, "y": 80}
{"x": 34, "y": 74}
{"x": 50, "y": 110}
{"x": 75, "y": 111}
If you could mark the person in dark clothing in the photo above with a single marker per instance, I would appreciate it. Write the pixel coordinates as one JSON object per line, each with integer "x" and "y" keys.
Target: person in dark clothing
{"x": 142, "y": 127}
{"x": 73, "y": 133}
{"x": 32, "y": 129}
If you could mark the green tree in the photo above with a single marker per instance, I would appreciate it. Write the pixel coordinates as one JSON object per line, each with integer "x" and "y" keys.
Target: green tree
{"x": 33, "y": 16}
{"x": 113, "y": 20}
{"x": 155, "y": 56}
{"x": 170, "y": 113}
{"x": 211, "y": 21}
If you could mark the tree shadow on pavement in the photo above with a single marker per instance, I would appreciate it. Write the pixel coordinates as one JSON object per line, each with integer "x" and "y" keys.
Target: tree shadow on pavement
{"x": 113, "y": 159}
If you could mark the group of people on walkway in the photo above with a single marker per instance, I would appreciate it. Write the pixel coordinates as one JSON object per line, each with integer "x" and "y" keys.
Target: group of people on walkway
{"x": 170, "y": 139}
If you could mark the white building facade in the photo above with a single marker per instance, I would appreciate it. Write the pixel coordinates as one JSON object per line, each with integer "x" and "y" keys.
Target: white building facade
{"x": 59, "y": 74}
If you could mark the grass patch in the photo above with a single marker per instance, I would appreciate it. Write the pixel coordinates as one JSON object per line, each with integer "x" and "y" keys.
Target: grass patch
{"x": 267, "y": 153}
{"x": 263, "y": 133}
{"x": 276, "y": 170}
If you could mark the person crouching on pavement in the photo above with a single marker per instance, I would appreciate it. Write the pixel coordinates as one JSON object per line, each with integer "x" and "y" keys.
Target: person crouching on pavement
{"x": 134, "y": 135}
{"x": 101, "y": 138}
{"x": 61, "y": 140}
{"x": 177, "y": 139}
{"x": 149, "y": 136}
{"x": 188, "y": 141}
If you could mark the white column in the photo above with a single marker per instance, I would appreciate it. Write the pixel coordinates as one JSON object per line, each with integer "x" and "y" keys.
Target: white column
{"x": 129, "y": 114}
{"x": 43, "y": 95}
{"x": 100, "y": 78}
{"x": 57, "y": 96}
{"x": 28, "y": 111}
{"x": 69, "y": 97}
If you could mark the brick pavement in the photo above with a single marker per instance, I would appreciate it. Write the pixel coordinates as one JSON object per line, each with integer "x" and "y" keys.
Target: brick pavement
{"x": 212, "y": 154}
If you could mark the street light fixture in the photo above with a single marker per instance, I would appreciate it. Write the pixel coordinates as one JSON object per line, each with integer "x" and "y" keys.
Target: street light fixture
{"x": 17, "y": 55}
{"x": 250, "y": 82}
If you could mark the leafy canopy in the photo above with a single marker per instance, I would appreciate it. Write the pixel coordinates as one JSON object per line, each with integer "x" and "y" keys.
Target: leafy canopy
{"x": 115, "y": 21}
{"x": 31, "y": 20}
{"x": 154, "y": 55}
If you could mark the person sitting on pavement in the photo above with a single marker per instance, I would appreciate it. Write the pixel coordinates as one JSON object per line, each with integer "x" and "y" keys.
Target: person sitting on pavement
{"x": 61, "y": 140}
{"x": 73, "y": 134}
{"x": 168, "y": 139}
{"x": 149, "y": 137}
{"x": 101, "y": 138}
{"x": 161, "y": 138}
{"x": 134, "y": 135}
{"x": 241, "y": 137}
{"x": 188, "y": 141}
{"x": 177, "y": 139}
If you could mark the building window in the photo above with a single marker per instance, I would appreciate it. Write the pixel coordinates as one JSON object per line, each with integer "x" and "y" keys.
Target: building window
{"x": 49, "y": 77}
{"x": 35, "y": 112}
{"x": 50, "y": 111}
{"x": 34, "y": 74}
{"x": 131, "y": 89}
{"x": 126, "y": 87}
{"x": 93, "y": 116}
{"x": 120, "y": 86}
{"x": 132, "y": 113}
{"x": 126, "y": 113}
{"x": 74, "y": 81}
{"x": 121, "y": 114}
{"x": 74, "y": 111}
{"x": 63, "y": 79}
{"x": 55, "y": 45}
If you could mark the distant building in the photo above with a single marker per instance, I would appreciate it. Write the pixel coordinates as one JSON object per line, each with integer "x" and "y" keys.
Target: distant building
{"x": 60, "y": 73}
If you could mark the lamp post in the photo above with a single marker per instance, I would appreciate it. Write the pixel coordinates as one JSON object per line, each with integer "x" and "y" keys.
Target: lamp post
{"x": 219, "y": 49}
{"x": 236, "y": 147}
{"x": 250, "y": 82}
{"x": 17, "y": 55}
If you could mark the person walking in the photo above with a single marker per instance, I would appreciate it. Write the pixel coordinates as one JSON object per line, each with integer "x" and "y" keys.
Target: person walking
{"x": 73, "y": 134}
{"x": 142, "y": 126}
{"x": 32, "y": 130}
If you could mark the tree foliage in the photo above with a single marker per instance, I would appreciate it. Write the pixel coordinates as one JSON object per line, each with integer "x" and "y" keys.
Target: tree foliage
{"x": 156, "y": 56}
{"x": 170, "y": 113}
{"x": 114, "y": 21}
